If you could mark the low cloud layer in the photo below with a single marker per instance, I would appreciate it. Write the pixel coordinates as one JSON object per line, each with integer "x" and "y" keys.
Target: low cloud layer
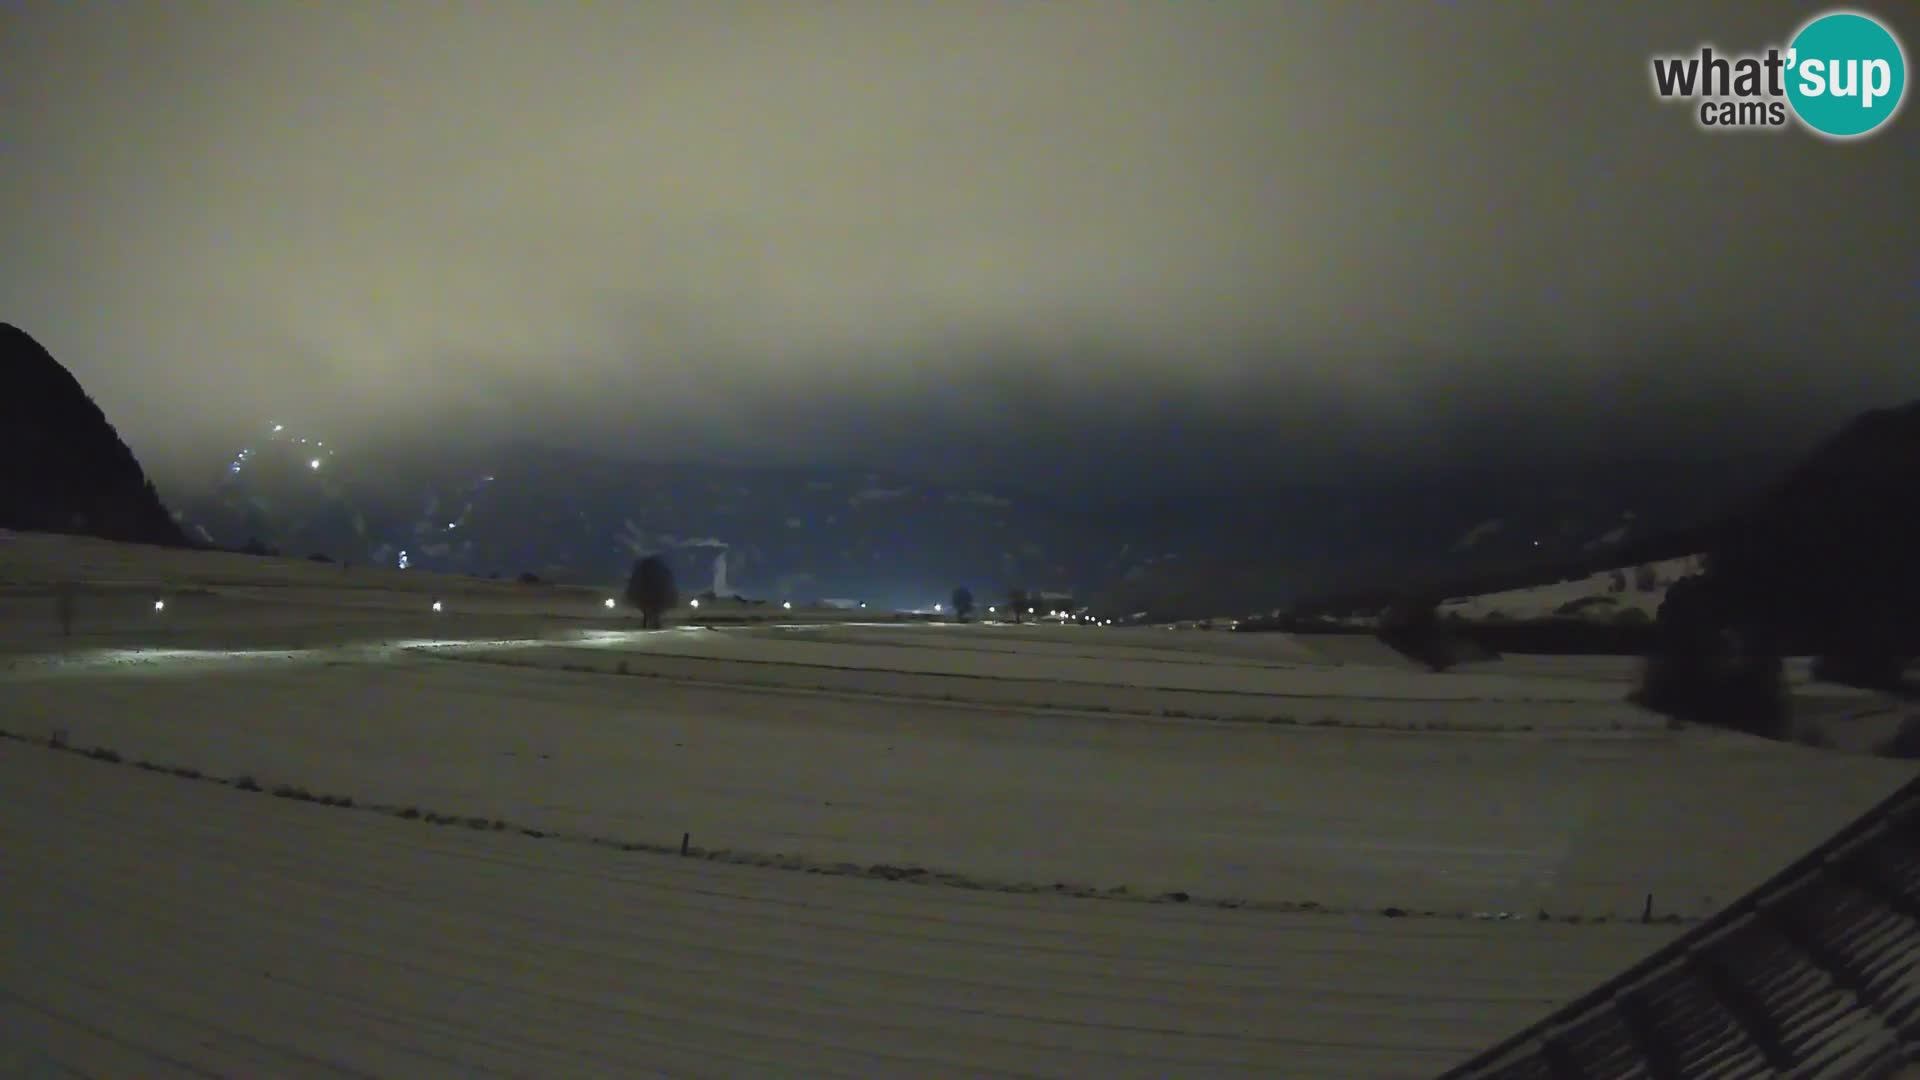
{"x": 1078, "y": 237}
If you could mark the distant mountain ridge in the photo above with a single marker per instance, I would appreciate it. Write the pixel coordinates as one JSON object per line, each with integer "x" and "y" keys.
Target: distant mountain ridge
{"x": 63, "y": 467}
{"x": 805, "y": 532}
{"x": 779, "y": 532}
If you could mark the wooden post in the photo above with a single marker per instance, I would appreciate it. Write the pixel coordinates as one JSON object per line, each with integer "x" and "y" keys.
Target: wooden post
{"x": 1646, "y": 913}
{"x": 685, "y": 838}
{"x": 63, "y": 603}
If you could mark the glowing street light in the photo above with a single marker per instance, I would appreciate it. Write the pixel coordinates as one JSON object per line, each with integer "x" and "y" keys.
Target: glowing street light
{"x": 159, "y": 605}
{"x": 788, "y": 604}
{"x": 695, "y": 602}
{"x": 315, "y": 463}
{"x": 936, "y": 609}
{"x": 609, "y": 602}
{"x": 436, "y": 605}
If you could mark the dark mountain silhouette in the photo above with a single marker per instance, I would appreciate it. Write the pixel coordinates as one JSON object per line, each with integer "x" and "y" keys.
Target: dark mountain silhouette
{"x": 1828, "y": 556}
{"x": 63, "y": 468}
{"x": 1823, "y": 554}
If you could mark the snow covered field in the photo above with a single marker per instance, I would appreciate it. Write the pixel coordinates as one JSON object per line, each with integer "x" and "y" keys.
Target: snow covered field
{"x": 1114, "y": 852}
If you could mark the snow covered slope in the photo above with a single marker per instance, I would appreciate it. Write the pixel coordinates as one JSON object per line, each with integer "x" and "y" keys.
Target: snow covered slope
{"x": 1600, "y": 597}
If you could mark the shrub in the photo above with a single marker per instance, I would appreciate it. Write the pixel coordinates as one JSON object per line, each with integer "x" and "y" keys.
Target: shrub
{"x": 528, "y": 577}
{"x": 1864, "y": 667}
{"x": 1905, "y": 742}
{"x": 1581, "y": 605}
{"x": 1412, "y": 627}
{"x": 1814, "y": 736}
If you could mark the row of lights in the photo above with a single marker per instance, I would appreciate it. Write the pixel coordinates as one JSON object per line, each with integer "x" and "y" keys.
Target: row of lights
{"x": 695, "y": 602}
{"x": 161, "y": 605}
{"x": 312, "y": 463}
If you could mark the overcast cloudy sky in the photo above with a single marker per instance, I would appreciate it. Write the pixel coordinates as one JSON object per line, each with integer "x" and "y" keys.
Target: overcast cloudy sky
{"x": 1060, "y": 237}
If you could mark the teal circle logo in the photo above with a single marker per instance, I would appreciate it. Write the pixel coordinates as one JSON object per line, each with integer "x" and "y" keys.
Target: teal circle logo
{"x": 1846, "y": 74}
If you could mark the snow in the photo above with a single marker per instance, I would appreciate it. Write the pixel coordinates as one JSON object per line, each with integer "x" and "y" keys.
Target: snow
{"x": 1543, "y": 601}
{"x": 878, "y": 494}
{"x": 283, "y": 938}
{"x": 1609, "y": 538}
{"x": 1479, "y": 532}
{"x": 1054, "y": 787}
{"x": 981, "y": 498}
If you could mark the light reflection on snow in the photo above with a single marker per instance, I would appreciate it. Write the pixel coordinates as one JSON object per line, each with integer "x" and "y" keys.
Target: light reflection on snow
{"x": 151, "y": 659}
{"x": 147, "y": 659}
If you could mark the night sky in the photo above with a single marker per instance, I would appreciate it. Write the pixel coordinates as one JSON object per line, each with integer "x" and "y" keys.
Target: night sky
{"x": 1164, "y": 246}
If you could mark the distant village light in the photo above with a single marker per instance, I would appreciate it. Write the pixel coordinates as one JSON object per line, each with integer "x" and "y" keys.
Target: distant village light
{"x": 436, "y": 605}
{"x": 788, "y": 604}
{"x": 315, "y": 463}
{"x": 696, "y": 603}
{"x": 159, "y": 605}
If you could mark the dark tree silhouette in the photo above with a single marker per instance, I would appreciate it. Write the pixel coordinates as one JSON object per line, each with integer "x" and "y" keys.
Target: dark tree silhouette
{"x": 962, "y": 603}
{"x": 1017, "y": 600}
{"x": 650, "y": 589}
{"x": 1708, "y": 666}
{"x": 1412, "y": 627}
